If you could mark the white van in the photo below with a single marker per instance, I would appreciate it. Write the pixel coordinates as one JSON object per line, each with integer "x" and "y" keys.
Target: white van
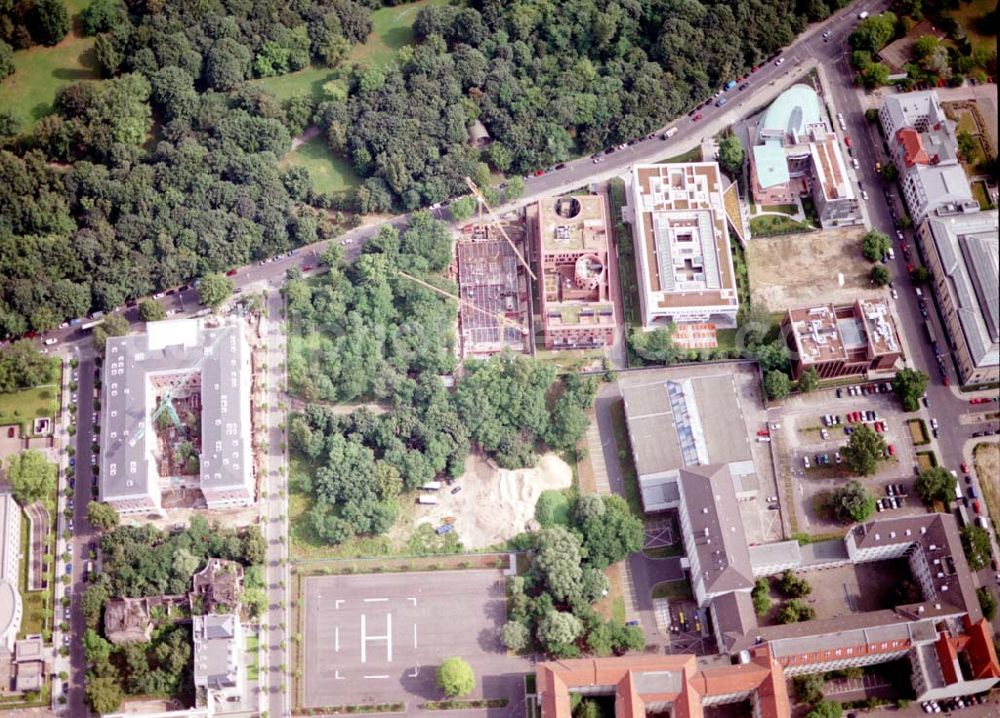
{"x": 862, "y": 15}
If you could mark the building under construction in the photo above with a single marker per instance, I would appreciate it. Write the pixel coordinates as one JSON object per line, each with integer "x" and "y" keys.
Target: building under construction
{"x": 495, "y": 311}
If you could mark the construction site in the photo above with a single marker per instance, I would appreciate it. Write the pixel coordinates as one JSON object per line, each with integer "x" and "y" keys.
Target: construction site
{"x": 554, "y": 259}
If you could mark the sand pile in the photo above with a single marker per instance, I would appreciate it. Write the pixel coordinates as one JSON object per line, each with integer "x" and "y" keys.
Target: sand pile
{"x": 496, "y": 504}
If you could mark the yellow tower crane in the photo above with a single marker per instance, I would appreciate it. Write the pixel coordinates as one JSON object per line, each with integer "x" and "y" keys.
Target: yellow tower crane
{"x": 499, "y": 225}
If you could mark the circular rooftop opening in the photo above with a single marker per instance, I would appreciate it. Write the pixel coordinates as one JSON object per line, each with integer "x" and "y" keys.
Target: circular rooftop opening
{"x": 568, "y": 207}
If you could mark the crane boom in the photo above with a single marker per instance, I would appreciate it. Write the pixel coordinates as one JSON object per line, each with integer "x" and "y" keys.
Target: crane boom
{"x": 496, "y": 223}
{"x": 166, "y": 400}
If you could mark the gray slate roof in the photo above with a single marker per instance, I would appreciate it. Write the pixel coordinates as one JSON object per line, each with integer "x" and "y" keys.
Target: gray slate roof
{"x": 717, "y": 528}
{"x": 968, "y": 247}
{"x": 174, "y": 348}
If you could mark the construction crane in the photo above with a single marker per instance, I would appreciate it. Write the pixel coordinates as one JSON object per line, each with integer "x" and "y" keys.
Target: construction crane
{"x": 498, "y": 315}
{"x": 166, "y": 405}
{"x": 499, "y": 225}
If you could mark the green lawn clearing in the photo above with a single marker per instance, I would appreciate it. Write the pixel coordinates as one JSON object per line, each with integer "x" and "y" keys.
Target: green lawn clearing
{"x": 782, "y": 208}
{"x": 329, "y": 173}
{"x": 981, "y": 194}
{"x": 20, "y": 407}
{"x": 692, "y": 155}
{"x": 770, "y": 225}
{"x": 392, "y": 29}
{"x": 970, "y": 16}
{"x": 40, "y": 72}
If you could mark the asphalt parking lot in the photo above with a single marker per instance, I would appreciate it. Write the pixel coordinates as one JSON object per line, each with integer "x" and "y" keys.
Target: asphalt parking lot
{"x": 379, "y": 638}
{"x": 803, "y": 433}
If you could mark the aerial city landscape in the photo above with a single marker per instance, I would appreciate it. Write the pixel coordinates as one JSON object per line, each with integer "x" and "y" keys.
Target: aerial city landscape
{"x": 527, "y": 359}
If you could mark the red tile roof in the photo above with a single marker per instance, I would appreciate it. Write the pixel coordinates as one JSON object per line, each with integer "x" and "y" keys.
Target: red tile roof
{"x": 980, "y": 649}
{"x": 913, "y": 147}
{"x": 764, "y": 675}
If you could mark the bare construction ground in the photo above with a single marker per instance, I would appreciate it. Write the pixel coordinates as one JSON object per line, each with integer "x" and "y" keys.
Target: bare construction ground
{"x": 798, "y": 270}
{"x": 495, "y": 504}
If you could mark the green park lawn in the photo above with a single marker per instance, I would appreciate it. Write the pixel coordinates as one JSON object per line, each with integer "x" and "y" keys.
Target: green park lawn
{"x": 40, "y": 72}
{"x": 392, "y": 29}
{"x": 328, "y": 172}
{"x": 968, "y": 15}
{"x": 769, "y": 225}
{"x": 20, "y": 407}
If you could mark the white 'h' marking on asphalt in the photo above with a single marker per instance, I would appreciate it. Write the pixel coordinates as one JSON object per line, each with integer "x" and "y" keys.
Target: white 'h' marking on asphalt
{"x": 387, "y": 638}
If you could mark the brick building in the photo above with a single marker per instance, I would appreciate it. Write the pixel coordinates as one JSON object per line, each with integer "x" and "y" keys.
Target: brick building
{"x": 851, "y": 339}
{"x": 570, "y": 240}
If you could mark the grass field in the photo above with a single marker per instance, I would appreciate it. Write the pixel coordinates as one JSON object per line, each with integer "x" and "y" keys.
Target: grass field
{"x": 329, "y": 173}
{"x": 42, "y": 71}
{"x": 782, "y": 208}
{"x": 20, "y": 407}
{"x": 692, "y": 155}
{"x": 770, "y": 225}
{"x": 392, "y": 29}
{"x": 967, "y": 15}
{"x": 981, "y": 194}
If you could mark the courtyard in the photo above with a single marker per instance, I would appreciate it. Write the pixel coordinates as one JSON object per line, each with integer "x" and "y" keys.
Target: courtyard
{"x": 379, "y": 638}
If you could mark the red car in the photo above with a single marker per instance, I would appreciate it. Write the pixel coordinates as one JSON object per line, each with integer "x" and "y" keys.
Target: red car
{"x": 539, "y": 173}
{"x": 307, "y": 267}
{"x": 964, "y": 467}
{"x": 976, "y": 507}
{"x": 947, "y": 381}
{"x": 763, "y": 432}
{"x": 878, "y": 427}
{"x": 979, "y": 400}
{"x": 697, "y": 117}
{"x": 231, "y": 273}
{"x": 892, "y": 450}
{"x": 847, "y": 141}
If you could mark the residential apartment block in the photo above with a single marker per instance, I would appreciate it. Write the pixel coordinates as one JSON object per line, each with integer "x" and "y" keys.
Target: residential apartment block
{"x": 962, "y": 256}
{"x": 206, "y": 373}
{"x": 796, "y": 153}
{"x": 681, "y": 222}
{"x": 846, "y": 340}
{"x": 924, "y": 148}
{"x": 570, "y": 238}
{"x": 218, "y": 668}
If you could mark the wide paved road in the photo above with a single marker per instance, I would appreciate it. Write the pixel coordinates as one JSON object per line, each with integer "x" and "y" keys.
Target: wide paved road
{"x": 276, "y": 679}
{"x": 82, "y": 532}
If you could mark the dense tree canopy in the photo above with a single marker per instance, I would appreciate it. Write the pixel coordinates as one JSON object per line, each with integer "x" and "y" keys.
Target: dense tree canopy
{"x": 548, "y": 80}
{"x": 864, "y": 450}
{"x": 31, "y": 477}
{"x": 140, "y": 560}
{"x": 456, "y": 677}
{"x": 909, "y": 385}
{"x": 850, "y": 502}
{"x": 936, "y": 484}
{"x": 22, "y": 365}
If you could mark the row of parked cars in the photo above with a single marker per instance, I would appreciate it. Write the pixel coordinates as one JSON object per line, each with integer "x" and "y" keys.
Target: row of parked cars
{"x": 952, "y": 704}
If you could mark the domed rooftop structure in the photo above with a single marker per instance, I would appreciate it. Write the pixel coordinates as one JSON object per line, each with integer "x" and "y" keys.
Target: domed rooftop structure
{"x": 791, "y": 112}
